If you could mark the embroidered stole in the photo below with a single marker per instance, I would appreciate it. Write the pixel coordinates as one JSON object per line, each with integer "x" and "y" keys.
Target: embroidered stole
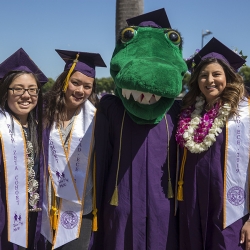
{"x": 16, "y": 179}
{"x": 68, "y": 172}
{"x": 236, "y": 183}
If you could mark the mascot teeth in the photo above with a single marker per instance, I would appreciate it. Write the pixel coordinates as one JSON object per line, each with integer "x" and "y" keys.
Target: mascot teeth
{"x": 157, "y": 97}
{"x": 141, "y": 97}
{"x": 126, "y": 93}
{"x": 136, "y": 94}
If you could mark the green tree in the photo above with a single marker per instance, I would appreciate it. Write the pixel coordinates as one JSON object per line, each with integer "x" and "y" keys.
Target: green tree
{"x": 47, "y": 86}
{"x": 105, "y": 84}
{"x": 245, "y": 73}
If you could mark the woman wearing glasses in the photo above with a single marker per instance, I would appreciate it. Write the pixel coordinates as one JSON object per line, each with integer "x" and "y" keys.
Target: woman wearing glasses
{"x": 21, "y": 161}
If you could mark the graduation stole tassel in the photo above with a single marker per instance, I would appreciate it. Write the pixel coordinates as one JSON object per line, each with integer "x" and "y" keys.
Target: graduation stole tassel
{"x": 181, "y": 182}
{"x": 114, "y": 199}
{"x": 66, "y": 81}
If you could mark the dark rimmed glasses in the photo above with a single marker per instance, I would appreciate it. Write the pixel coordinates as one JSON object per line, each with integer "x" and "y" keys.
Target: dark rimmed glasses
{"x": 21, "y": 91}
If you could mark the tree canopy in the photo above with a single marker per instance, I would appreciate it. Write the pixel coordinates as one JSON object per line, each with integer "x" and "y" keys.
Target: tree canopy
{"x": 245, "y": 73}
{"x": 105, "y": 84}
{"x": 47, "y": 86}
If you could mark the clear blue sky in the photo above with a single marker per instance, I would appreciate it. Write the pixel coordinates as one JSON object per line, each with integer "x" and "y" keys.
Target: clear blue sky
{"x": 41, "y": 26}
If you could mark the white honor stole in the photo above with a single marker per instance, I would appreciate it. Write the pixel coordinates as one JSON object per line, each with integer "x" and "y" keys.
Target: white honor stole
{"x": 16, "y": 181}
{"x": 68, "y": 172}
{"x": 236, "y": 175}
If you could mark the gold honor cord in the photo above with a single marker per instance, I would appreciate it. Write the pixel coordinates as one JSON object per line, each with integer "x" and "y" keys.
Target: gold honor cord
{"x": 170, "y": 189}
{"x": 181, "y": 182}
{"x": 66, "y": 81}
{"x": 94, "y": 212}
{"x": 114, "y": 199}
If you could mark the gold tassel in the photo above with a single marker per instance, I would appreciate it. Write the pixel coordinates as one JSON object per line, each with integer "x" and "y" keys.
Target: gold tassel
{"x": 66, "y": 81}
{"x": 94, "y": 221}
{"x": 114, "y": 199}
{"x": 180, "y": 191}
{"x": 170, "y": 189}
{"x": 94, "y": 225}
{"x": 53, "y": 215}
{"x": 181, "y": 182}
{"x": 53, "y": 211}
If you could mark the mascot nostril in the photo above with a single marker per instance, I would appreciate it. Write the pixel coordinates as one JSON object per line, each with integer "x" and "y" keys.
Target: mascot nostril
{"x": 135, "y": 147}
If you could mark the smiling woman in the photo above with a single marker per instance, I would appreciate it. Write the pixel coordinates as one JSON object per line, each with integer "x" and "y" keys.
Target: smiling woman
{"x": 213, "y": 131}
{"x": 68, "y": 119}
{"x": 23, "y": 96}
{"x": 212, "y": 81}
{"x": 21, "y": 161}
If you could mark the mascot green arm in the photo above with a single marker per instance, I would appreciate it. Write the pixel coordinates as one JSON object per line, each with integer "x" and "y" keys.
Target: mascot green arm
{"x": 147, "y": 67}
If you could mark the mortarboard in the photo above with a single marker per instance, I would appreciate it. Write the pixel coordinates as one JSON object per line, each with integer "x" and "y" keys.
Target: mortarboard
{"x": 157, "y": 19}
{"x": 83, "y": 62}
{"x": 215, "y": 49}
{"x": 20, "y": 61}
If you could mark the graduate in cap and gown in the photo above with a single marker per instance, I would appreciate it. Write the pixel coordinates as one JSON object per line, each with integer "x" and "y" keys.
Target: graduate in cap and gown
{"x": 69, "y": 111}
{"x": 135, "y": 146}
{"x": 21, "y": 160}
{"x": 213, "y": 130}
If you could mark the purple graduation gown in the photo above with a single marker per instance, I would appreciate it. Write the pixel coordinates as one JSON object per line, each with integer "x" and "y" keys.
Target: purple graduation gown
{"x": 201, "y": 212}
{"x": 144, "y": 218}
{"x": 36, "y": 240}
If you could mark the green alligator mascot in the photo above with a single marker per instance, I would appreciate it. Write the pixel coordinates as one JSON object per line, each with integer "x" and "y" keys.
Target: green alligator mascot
{"x": 135, "y": 147}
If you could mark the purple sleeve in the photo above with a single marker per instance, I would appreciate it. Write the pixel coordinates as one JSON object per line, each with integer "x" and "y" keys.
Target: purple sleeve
{"x": 43, "y": 164}
{"x": 2, "y": 207}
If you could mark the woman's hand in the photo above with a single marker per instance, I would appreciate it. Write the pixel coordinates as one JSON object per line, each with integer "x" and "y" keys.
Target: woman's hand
{"x": 245, "y": 234}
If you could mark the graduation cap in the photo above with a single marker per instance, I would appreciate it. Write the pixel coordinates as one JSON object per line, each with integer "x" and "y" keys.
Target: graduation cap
{"x": 20, "y": 61}
{"x": 157, "y": 19}
{"x": 215, "y": 49}
{"x": 83, "y": 62}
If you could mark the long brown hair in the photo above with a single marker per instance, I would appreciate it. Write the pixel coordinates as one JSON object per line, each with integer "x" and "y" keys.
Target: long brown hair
{"x": 55, "y": 109}
{"x": 232, "y": 94}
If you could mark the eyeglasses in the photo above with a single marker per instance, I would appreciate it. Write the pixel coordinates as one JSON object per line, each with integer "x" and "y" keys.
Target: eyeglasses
{"x": 21, "y": 91}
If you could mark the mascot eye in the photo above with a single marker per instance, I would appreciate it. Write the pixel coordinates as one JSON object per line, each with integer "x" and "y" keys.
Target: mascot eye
{"x": 173, "y": 36}
{"x": 127, "y": 34}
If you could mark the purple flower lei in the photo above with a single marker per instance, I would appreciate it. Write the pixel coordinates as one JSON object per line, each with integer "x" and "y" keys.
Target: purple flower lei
{"x": 202, "y": 130}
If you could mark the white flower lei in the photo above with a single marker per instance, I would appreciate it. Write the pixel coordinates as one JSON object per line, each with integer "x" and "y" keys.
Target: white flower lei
{"x": 214, "y": 131}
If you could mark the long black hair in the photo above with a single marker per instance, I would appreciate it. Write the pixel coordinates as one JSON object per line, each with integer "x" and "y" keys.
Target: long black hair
{"x": 35, "y": 115}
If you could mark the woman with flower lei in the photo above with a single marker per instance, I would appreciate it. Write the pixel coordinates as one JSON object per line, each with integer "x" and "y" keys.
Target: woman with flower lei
{"x": 213, "y": 133}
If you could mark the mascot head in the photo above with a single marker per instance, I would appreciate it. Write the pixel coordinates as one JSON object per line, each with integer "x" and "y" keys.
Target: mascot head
{"x": 147, "y": 67}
